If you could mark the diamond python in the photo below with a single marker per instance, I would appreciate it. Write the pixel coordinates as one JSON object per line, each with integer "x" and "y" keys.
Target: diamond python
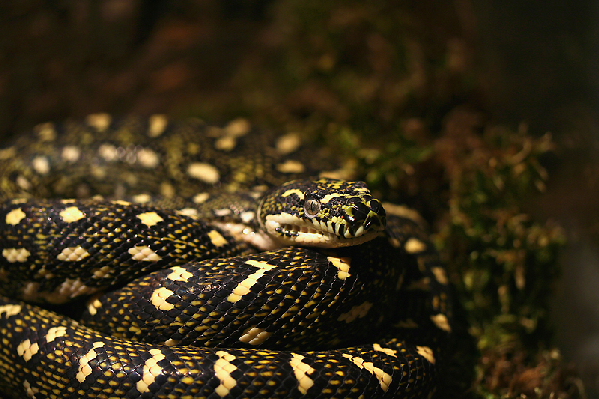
{"x": 178, "y": 302}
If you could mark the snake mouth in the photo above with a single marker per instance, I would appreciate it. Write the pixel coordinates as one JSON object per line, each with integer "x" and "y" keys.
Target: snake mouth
{"x": 296, "y": 231}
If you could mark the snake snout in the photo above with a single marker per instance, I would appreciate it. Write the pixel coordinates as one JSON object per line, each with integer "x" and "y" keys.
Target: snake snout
{"x": 370, "y": 215}
{"x": 376, "y": 206}
{"x": 375, "y": 222}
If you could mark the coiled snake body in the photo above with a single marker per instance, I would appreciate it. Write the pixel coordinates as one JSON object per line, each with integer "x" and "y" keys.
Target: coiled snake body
{"x": 225, "y": 273}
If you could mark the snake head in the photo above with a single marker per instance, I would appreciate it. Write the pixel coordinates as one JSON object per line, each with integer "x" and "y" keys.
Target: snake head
{"x": 322, "y": 213}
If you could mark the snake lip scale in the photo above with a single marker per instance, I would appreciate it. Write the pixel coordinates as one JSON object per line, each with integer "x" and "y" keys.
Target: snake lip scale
{"x": 322, "y": 235}
{"x": 209, "y": 261}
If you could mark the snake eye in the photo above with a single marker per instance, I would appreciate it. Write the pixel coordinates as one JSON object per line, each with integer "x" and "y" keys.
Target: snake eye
{"x": 311, "y": 207}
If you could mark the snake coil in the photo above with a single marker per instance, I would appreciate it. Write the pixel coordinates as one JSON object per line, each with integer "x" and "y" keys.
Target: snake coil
{"x": 231, "y": 269}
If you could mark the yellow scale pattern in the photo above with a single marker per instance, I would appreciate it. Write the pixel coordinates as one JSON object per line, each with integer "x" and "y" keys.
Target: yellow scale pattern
{"x": 239, "y": 325}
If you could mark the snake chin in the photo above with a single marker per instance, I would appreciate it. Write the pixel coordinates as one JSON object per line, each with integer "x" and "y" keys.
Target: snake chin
{"x": 308, "y": 235}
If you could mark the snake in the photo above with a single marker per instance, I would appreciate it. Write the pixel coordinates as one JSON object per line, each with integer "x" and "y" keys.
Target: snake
{"x": 145, "y": 257}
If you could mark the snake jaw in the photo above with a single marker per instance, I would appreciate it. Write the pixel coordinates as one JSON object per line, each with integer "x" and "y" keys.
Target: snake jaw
{"x": 292, "y": 230}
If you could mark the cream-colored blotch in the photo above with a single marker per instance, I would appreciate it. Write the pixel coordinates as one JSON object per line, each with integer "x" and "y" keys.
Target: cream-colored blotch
{"x": 223, "y": 369}
{"x": 302, "y": 372}
{"x": 150, "y": 371}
